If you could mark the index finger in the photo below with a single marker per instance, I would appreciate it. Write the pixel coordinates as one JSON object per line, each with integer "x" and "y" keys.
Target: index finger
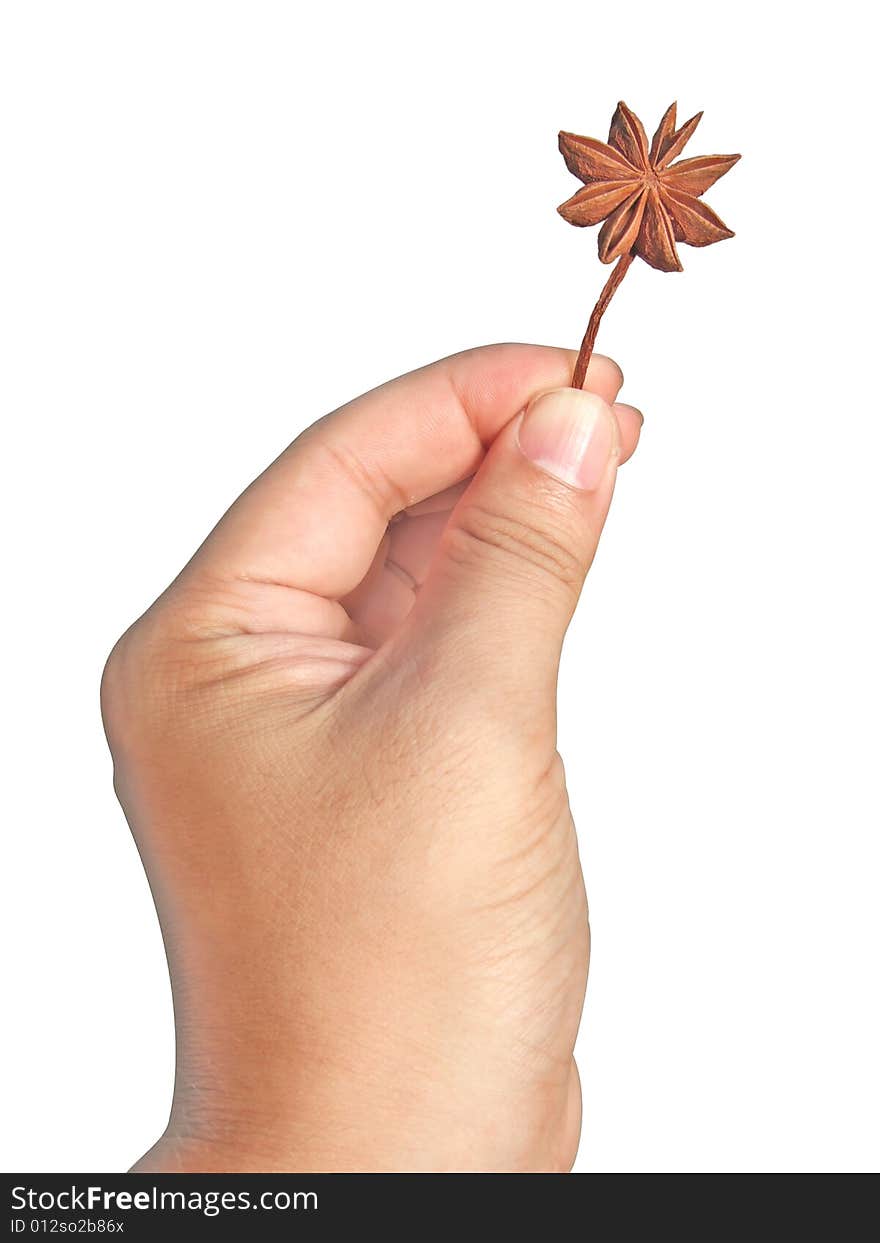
{"x": 314, "y": 519}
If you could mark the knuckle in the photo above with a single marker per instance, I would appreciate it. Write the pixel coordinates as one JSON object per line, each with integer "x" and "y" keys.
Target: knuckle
{"x": 141, "y": 677}
{"x": 120, "y": 685}
{"x": 385, "y": 495}
{"x": 483, "y": 536}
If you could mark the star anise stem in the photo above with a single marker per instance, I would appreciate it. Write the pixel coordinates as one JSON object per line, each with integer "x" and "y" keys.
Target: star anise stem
{"x": 586, "y": 351}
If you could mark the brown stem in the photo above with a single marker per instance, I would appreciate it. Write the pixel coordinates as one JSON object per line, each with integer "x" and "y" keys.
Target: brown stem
{"x": 583, "y": 358}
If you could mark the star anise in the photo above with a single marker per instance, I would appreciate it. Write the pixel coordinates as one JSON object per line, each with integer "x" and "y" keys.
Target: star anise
{"x": 648, "y": 202}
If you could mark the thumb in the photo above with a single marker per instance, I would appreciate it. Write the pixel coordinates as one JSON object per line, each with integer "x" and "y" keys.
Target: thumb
{"x": 513, "y": 558}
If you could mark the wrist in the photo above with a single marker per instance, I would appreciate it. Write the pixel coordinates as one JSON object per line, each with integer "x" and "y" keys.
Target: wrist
{"x": 363, "y": 1126}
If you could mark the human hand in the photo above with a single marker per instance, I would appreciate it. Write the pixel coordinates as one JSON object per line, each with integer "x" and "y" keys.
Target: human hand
{"x": 334, "y": 738}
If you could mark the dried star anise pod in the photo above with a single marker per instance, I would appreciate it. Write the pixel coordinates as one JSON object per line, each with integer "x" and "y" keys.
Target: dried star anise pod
{"x": 647, "y": 202}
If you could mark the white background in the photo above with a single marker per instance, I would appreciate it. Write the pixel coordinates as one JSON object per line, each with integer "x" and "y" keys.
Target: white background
{"x": 219, "y": 221}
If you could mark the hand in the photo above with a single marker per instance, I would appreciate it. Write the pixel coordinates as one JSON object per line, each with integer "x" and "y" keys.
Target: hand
{"x": 334, "y": 739}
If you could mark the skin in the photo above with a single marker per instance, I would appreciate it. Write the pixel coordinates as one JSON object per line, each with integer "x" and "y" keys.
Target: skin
{"x": 334, "y": 739}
